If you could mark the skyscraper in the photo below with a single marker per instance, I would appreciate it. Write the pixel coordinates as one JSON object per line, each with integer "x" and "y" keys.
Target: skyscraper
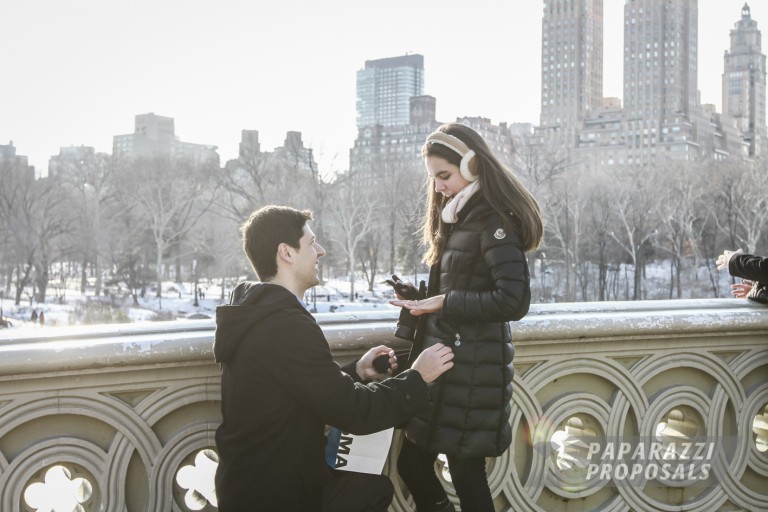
{"x": 744, "y": 83}
{"x": 661, "y": 99}
{"x": 385, "y": 88}
{"x": 11, "y": 162}
{"x": 155, "y": 136}
{"x": 68, "y": 157}
{"x": 662, "y": 117}
{"x": 571, "y": 66}
{"x": 382, "y": 152}
{"x": 660, "y": 58}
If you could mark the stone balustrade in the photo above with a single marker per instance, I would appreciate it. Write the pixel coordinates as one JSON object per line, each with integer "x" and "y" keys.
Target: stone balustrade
{"x": 618, "y": 406}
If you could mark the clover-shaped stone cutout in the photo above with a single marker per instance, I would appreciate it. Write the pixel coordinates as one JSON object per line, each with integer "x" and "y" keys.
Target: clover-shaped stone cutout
{"x": 572, "y": 444}
{"x": 676, "y": 434}
{"x": 58, "y": 492}
{"x": 445, "y": 471}
{"x": 199, "y": 480}
{"x": 760, "y": 427}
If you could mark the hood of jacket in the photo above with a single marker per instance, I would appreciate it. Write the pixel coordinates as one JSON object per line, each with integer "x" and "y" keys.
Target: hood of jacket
{"x": 249, "y": 304}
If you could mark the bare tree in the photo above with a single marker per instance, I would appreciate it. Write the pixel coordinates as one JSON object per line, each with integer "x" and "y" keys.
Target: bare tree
{"x": 246, "y": 183}
{"x": 52, "y": 222}
{"x": 399, "y": 184}
{"x": 88, "y": 181}
{"x": 352, "y": 211}
{"x": 633, "y": 203}
{"x": 257, "y": 178}
{"x": 36, "y": 221}
{"x": 705, "y": 242}
{"x": 680, "y": 211}
{"x": 17, "y": 207}
{"x": 317, "y": 191}
{"x": 369, "y": 252}
{"x": 563, "y": 212}
{"x": 539, "y": 168}
{"x": 598, "y": 216}
{"x": 128, "y": 242}
{"x": 170, "y": 197}
{"x": 744, "y": 202}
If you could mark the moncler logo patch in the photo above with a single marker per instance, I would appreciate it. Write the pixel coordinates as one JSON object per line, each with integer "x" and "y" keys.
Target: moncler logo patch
{"x": 499, "y": 234}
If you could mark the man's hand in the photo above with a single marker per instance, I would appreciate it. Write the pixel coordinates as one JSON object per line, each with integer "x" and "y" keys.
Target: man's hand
{"x": 723, "y": 260}
{"x": 364, "y": 366}
{"x": 433, "y": 362}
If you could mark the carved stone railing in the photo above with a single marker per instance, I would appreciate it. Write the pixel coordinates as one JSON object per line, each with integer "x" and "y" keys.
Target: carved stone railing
{"x": 122, "y": 418}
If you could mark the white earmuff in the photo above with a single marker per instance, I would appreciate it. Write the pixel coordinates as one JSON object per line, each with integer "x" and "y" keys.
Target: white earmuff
{"x": 457, "y": 145}
{"x": 464, "y": 167}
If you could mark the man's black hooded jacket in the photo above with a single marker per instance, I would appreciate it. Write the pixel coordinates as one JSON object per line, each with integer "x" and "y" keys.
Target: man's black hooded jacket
{"x": 280, "y": 387}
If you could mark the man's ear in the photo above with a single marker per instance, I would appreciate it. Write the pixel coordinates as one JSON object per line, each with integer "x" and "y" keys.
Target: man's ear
{"x": 285, "y": 252}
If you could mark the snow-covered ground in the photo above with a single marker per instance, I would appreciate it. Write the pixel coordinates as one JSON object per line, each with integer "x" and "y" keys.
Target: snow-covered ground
{"x": 177, "y": 303}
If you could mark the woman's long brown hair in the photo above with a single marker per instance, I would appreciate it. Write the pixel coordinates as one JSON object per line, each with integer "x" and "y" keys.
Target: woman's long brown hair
{"x": 506, "y": 194}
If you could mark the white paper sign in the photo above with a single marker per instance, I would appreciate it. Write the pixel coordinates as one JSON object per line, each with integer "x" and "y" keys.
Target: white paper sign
{"x": 364, "y": 454}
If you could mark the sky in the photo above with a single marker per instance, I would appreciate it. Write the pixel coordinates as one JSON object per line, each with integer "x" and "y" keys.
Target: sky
{"x": 77, "y": 72}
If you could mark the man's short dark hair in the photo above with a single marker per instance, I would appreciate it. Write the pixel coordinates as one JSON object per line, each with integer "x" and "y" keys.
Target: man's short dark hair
{"x": 265, "y": 229}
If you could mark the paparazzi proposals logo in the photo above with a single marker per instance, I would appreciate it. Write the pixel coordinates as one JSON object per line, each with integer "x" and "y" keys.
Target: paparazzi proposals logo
{"x": 675, "y": 455}
{"x": 681, "y": 462}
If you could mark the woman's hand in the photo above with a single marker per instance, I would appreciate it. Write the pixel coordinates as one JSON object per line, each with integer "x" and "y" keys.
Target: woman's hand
{"x": 406, "y": 291}
{"x": 421, "y": 307}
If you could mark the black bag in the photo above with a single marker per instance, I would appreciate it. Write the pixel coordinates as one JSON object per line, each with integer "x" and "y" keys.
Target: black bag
{"x": 759, "y": 292}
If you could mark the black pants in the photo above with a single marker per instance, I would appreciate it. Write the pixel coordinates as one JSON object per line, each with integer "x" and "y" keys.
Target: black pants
{"x": 416, "y": 467}
{"x": 357, "y": 492}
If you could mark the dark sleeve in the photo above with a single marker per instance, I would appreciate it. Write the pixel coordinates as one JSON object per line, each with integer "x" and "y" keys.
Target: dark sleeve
{"x": 305, "y": 368}
{"x": 749, "y": 267}
{"x": 351, "y": 370}
{"x": 511, "y": 294}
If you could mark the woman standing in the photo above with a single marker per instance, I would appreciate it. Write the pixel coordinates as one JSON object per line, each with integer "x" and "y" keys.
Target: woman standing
{"x": 480, "y": 222}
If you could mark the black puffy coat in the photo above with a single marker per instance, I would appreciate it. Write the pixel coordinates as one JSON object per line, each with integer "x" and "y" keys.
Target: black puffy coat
{"x": 483, "y": 273}
{"x": 749, "y": 267}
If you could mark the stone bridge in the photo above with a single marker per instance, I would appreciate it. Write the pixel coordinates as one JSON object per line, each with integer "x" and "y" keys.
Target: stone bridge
{"x": 618, "y": 406}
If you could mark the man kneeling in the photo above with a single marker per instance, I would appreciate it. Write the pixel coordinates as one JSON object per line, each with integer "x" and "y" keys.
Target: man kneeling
{"x": 280, "y": 385}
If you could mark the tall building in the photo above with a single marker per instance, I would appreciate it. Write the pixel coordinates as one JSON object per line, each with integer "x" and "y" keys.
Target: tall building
{"x": 744, "y": 83}
{"x": 602, "y": 140}
{"x": 662, "y": 117}
{"x": 383, "y": 153}
{"x": 660, "y": 58}
{"x": 499, "y": 137}
{"x": 68, "y": 156}
{"x": 11, "y": 162}
{"x": 283, "y": 164}
{"x": 154, "y": 135}
{"x": 8, "y": 152}
{"x": 385, "y": 88}
{"x": 295, "y": 155}
{"x": 249, "y": 143}
{"x": 571, "y": 67}
{"x": 661, "y": 97}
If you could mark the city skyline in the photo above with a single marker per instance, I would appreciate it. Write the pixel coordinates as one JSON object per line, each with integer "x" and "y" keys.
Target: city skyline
{"x": 190, "y": 63}
{"x": 662, "y": 117}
